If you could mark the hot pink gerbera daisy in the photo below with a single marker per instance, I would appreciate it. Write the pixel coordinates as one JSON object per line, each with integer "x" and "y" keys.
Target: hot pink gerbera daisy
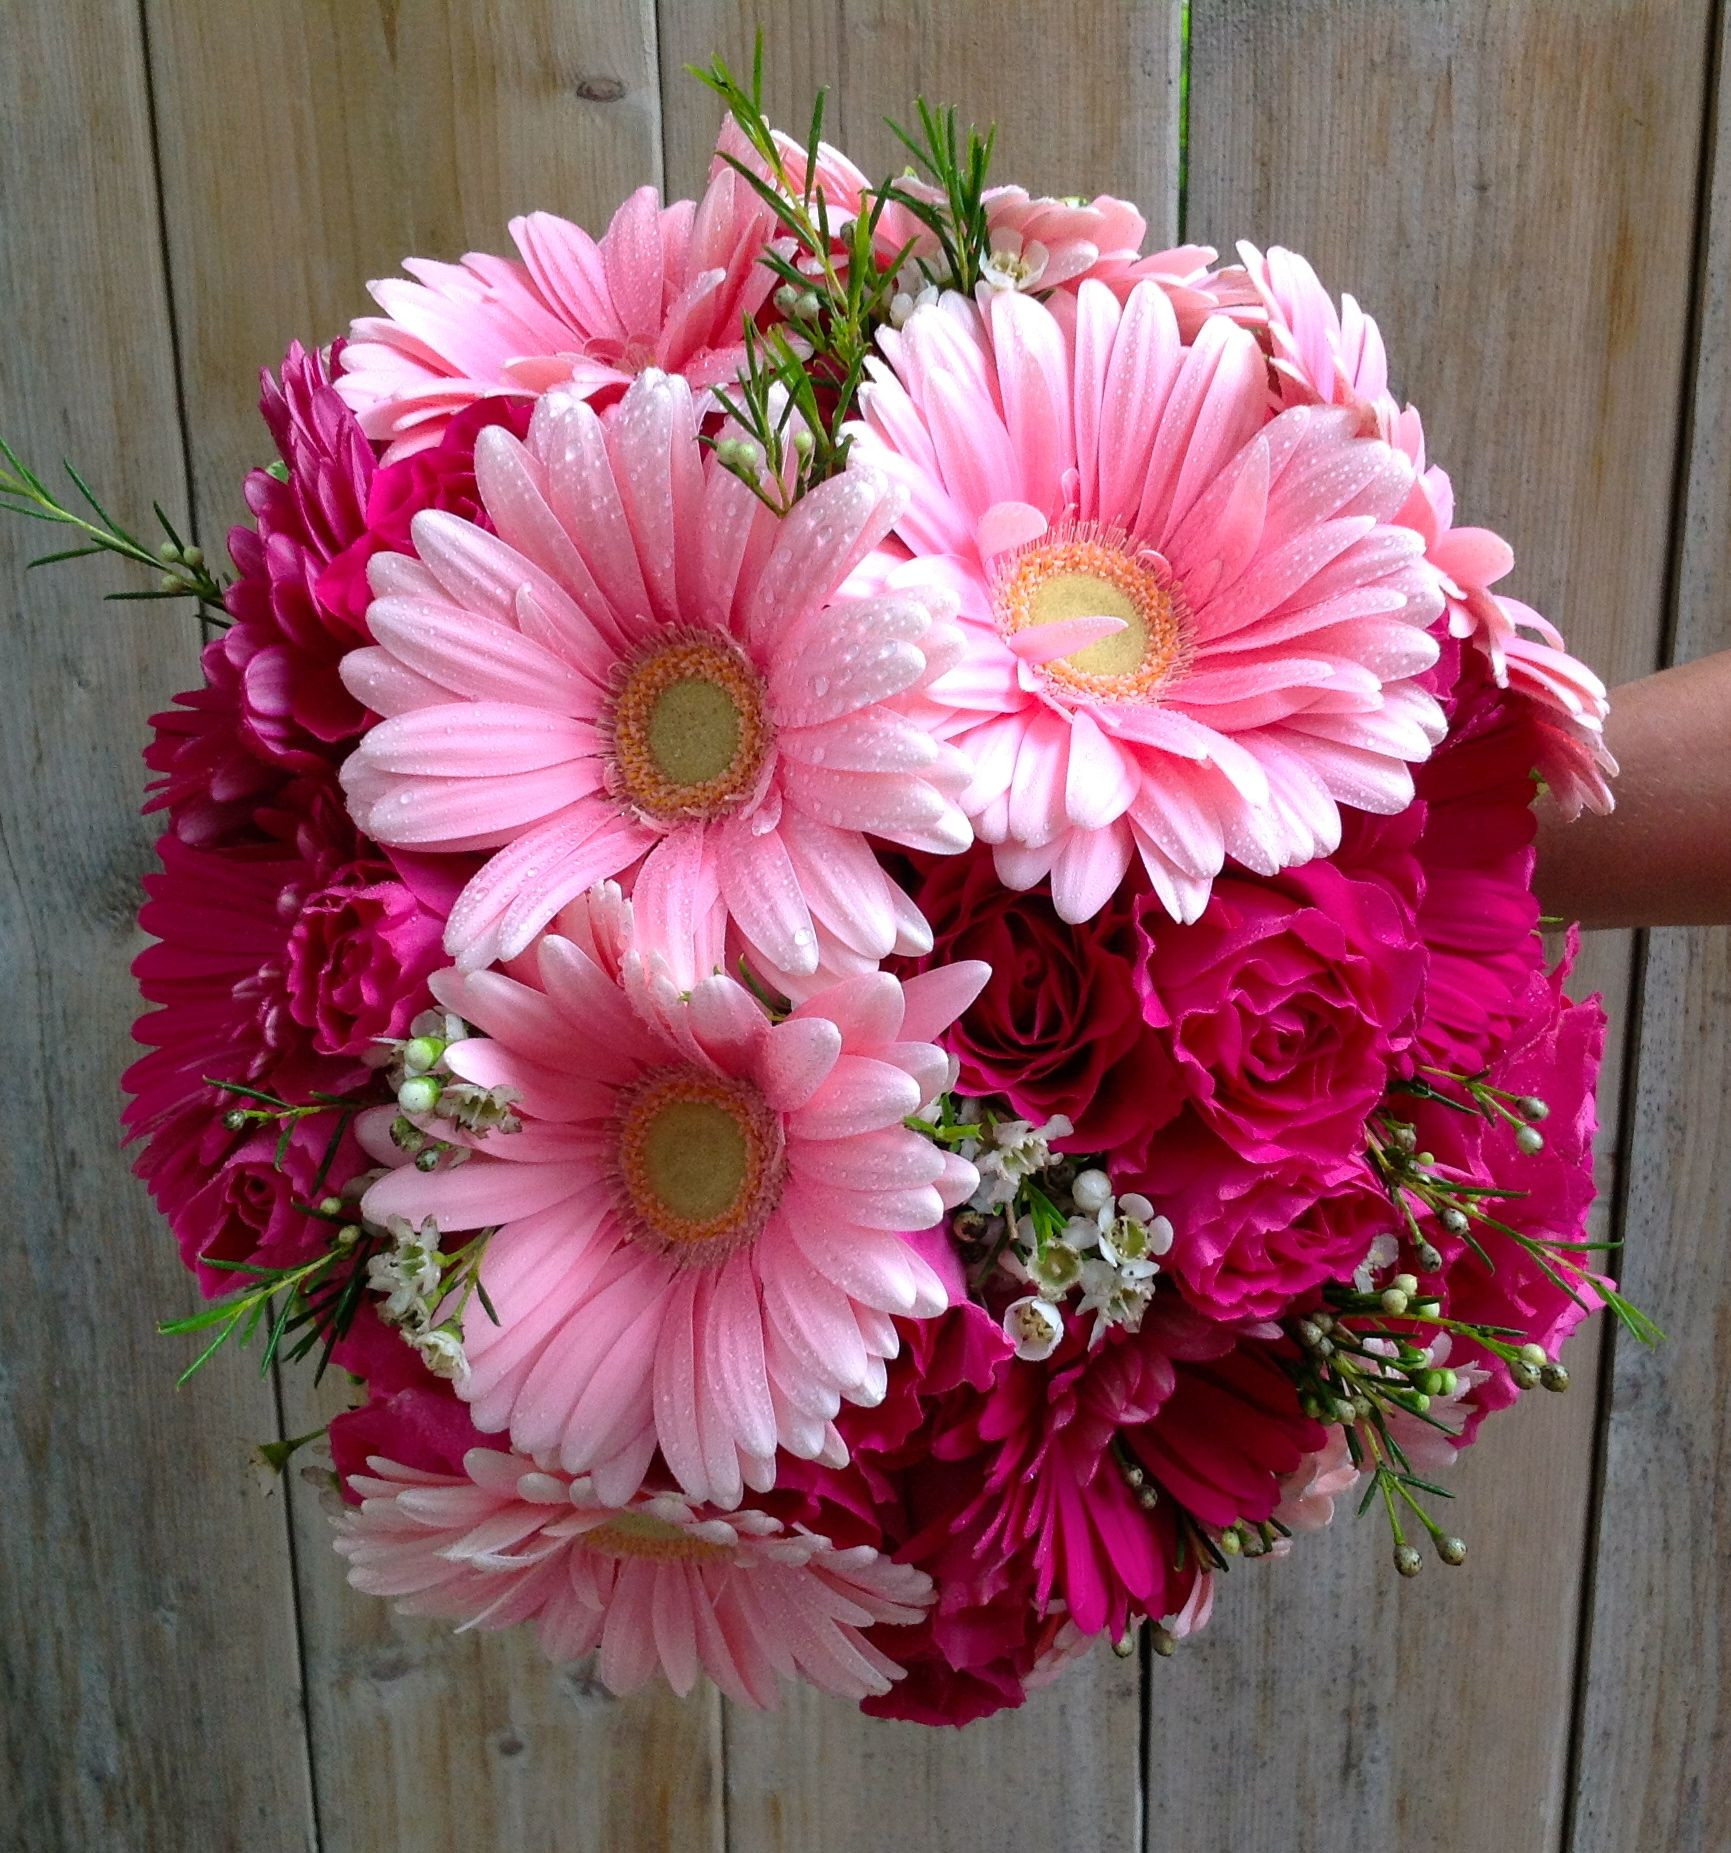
{"x": 699, "y": 1237}
{"x": 658, "y": 1586}
{"x": 645, "y": 666}
{"x": 1192, "y": 630}
{"x": 668, "y": 287}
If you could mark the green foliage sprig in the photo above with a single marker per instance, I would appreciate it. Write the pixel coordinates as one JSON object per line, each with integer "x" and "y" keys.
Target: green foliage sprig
{"x": 179, "y": 565}
{"x": 801, "y": 377}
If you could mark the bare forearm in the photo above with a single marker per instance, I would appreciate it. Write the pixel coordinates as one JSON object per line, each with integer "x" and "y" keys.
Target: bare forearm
{"x": 1663, "y": 856}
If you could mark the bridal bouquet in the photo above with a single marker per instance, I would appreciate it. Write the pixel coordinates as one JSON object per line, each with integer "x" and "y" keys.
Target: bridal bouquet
{"x": 848, "y": 909}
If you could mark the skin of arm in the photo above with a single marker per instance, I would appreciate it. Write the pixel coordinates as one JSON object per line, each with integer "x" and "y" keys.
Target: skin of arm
{"x": 1663, "y": 856}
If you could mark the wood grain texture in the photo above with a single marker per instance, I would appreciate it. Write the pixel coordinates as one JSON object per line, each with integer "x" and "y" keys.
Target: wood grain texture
{"x": 1510, "y": 190}
{"x": 1085, "y": 98}
{"x": 1063, "y": 1770}
{"x": 304, "y": 150}
{"x": 146, "y": 1600}
{"x": 1655, "y": 1748}
{"x": 307, "y": 148}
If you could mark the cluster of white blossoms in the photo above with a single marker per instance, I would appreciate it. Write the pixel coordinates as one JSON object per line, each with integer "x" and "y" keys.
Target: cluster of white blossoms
{"x": 1006, "y": 1153}
{"x": 411, "y": 1275}
{"x": 424, "y": 1084}
{"x": 1065, "y": 1232}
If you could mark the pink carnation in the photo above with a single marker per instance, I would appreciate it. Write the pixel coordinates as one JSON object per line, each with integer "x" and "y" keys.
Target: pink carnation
{"x": 698, "y": 1242}
{"x": 664, "y": 287}
{"x": 1192, "y": 631}
{"x": 277, "y": 964}
{"x": 647, "y": 674}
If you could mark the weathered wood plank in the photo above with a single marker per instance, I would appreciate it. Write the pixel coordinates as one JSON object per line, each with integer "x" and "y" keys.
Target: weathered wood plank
{"x": 147, "y": 1587}
{"x": 308, "y": 148}
{"x": 1655, "y": 1739}
{"x": 1510, "y": 190}
{"x": 337, "y": 140}
{"x": 1085, "y": 102}
{"x": 1085, "y": 99}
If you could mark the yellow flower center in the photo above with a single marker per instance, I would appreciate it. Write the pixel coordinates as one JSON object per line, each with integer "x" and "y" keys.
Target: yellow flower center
{"x": 1087, "y": 572}
{"x": 636, "y": 1534}
{"x": 700, "y": 1163}
{"x": 689, "y": 731}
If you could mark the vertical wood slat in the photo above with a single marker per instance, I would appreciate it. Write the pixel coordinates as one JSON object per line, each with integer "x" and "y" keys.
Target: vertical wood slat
{"x": 1655, "y": 1745}
{"x": 303, "y": 150}
{"x": 1064, "y": 1769}
{"x": 1509, "y": 189}
{"x": 145, "y": 1581}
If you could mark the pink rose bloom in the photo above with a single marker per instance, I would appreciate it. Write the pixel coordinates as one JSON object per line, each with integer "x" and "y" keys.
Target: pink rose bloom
{"x": 1057, "y": 1027}
{"x": 228, "y": 1198}
{"x": 442, "y": 476}
{"x": 1282, "y": 1013}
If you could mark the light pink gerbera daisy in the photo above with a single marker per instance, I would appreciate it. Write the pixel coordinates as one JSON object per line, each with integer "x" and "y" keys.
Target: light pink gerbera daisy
{"x": 1192, "y": 630}
{"x": 1526, "y": 652}
{"x": 644, "y": 669}
{"x": 1320, "y": 355}
{"x": 668, "y": 287}
{"x": 1329, "y": 357}
{"x": 660, "y": 1585}
{"x": 699, "y": 1237}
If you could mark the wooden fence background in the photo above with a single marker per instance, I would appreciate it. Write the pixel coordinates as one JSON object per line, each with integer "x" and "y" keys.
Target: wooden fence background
{"x": 1534, "y": 196}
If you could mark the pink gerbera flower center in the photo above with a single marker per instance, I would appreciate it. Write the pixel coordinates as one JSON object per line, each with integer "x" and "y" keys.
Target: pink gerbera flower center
{"x": 689, "y": 731}
{"x": 700, "y": 1164}
{"x": 1081, "y": 570}
{"x": 638, "y": 1534}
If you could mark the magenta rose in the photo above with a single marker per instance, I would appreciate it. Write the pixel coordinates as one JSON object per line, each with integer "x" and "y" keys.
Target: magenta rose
{"x": 1280, "y": 1017}
{"x": 1056, "y": 1028}
{"x": 228, "y": 1197}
